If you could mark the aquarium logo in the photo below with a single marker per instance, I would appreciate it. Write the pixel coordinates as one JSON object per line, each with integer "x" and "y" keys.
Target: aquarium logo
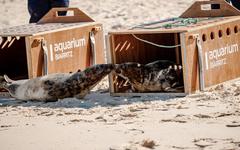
{"x": 64, "y": 47}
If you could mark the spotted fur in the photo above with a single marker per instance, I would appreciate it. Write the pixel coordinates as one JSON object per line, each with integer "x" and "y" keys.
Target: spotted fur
{"x": 57, "y": 86}
{"x": 161, "y": 75}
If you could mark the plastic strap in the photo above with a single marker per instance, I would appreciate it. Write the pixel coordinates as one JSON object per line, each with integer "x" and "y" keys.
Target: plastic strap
{"x": 200, "y": 63}
{"x": 93, "y": 48}
{"x": 45, "y": 57}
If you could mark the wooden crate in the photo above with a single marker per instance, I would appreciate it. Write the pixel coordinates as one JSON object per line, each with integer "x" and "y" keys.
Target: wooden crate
{"x": 208, "y": 50}
{"x": 54, "y": 44}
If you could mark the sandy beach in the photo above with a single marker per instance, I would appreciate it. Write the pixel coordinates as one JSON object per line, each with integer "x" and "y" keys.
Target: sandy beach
{"x": 208, "y": 120}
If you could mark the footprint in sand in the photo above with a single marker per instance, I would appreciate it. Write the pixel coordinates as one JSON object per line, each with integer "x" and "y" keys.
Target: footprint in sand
{"x": 6, "y": 126}
{"x": 173, "y": 120}
{"x": 136, "y": 131}
{"x": 204, "y": 142}
{"x": 216, "y": 143}
{"x": 202, "y": 116}
{"x": 233, "y": 124}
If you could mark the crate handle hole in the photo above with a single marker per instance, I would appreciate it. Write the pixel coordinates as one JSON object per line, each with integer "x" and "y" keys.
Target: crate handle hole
{"x": 212, "y": 35}
{"x": 65, "y": 13}
{"x": 209, "y": 7}
{"x": 204, "y": 37}
{"x": 215, "y": 6}
{"x": 228, "y": 31}
{"x": 236, "y": 29}
{"x": 220, "y": 33}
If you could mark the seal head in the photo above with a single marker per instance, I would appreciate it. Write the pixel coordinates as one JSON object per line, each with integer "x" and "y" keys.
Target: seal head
{"x": 161, "y": 76}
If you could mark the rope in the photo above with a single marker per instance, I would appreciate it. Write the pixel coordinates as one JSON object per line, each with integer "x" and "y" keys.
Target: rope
{"x": 176, "y": 22}
{"x": 154, "y": 44}
{"x": 181, "y": 22}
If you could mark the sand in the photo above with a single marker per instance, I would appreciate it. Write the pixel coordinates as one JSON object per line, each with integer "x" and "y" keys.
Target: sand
{"x": 205, "y": 120}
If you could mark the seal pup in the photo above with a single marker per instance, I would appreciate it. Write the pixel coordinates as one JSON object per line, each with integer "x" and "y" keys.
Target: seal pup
{"x": 158, "y": 76}
{"x": 56, "y": 86}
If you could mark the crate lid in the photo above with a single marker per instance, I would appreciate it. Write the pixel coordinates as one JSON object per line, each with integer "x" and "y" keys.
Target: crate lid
{"x": 51, "y": 22}
{"x": 76, "y": 16}
{"x": 210, "y": 8}
{"x": 174, "y": 25}
{"x": 35, "y": 28}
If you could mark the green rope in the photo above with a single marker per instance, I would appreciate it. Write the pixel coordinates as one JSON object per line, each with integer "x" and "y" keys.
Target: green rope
{"x": 181, "y": 22}
{"x": 175, "y": 22}
{"x": 152, "y": 23}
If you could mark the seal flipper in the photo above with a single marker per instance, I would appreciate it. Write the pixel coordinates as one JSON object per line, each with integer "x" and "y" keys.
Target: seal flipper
{"x": 7, "y": 85}
{"x": 7, "y": 79}
{"x": 3, "y": 82}
{"x": 175, "y": 90}
{"x": 82, "y": 94}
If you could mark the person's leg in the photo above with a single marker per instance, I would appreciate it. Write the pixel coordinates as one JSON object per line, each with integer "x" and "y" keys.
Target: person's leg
{"x": 236, "y": 3}
{"x": 37, "y": 9}
{"x": 60, "y": 3}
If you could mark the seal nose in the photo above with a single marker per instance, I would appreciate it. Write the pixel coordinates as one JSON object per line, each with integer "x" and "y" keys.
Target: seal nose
{"x": 3, "y": 82}
{"x": 2, "y": 79}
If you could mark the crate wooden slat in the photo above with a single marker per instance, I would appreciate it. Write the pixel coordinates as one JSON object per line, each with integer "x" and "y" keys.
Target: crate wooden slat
{"x": 34, "y": 28}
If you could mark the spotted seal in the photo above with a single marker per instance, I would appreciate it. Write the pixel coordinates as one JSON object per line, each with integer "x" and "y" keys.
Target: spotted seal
{"x": 160, "y": 75}
{"x": 56, "y": 86}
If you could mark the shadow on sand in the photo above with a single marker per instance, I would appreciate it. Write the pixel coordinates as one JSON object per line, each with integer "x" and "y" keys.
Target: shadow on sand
{"x": 94, "y": 99}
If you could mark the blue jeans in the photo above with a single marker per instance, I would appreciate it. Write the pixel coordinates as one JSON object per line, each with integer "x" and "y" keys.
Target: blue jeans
{"x": 236, "y": 3}
{"x": 38, "y": 8}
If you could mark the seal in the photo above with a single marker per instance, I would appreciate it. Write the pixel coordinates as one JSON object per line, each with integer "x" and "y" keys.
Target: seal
{"x": 158, "y": 76}
{"x": 56, "y": 86}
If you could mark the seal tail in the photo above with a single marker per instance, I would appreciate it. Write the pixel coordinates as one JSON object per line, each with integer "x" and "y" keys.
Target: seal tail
{"x": 3, "y": 82}
{"x": 7, "y": 79}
